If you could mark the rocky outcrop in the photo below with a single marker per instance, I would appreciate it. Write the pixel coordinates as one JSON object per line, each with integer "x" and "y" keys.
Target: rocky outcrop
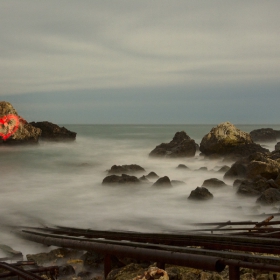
{"x": 257, "y": 164}
{"x": 163, "y": 182}
{"x": 200, "y": 193}
{"x": 265, "y": 135}
{"x": 180, "y": 146}
{"x": 14, "y": 129}
{"x": 226, "y": 140}
{"x": 214, "y": 182}
{"x": 122, "y": 180}
{"x": 269, "y": 196}
{"x": 126, "y": 169}
{"x": 52, "y": 132}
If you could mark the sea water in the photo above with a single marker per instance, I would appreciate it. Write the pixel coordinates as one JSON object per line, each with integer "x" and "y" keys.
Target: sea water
{"x": 56, "y": 183}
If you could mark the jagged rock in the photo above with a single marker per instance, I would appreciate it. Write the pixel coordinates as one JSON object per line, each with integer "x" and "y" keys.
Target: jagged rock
{"x": 123, "y": 179}
{"x": 226, "y": 140}
{"x": 126, "y": 169}
{"x": 181, "y": 146}
{"x": 14, "y": 129}
{"x": 265, "y": 135}
{"x": 269, "y": 196}
{"x": 277, "y": 146}
{"x": 213, "y": 182}
{"x": 52, "y": 132}
{"x": 182, "y": 166}
{"x": 152, "y": 175}
{"x": 163, "y": 182}
{"x": 200, "y": 193}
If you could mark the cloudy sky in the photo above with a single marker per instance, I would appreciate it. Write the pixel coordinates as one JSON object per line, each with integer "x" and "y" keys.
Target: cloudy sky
{"x": 148, "y": 61}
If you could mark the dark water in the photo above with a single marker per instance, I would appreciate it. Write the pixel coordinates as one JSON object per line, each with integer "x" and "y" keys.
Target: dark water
{"x": 60, "y": 183}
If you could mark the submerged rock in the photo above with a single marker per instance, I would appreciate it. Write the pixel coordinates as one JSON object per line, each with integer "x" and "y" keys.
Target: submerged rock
{"x": 180, "y": 146}
{"x": 163, "y": 182}
{"x": 123, "y": 179}
{"x": 213, "y": 182}
{"x": 226, "y": 140}
{"x": 265, "y": 135}
{"x": 14, "y": 129}
{"x": 200, "y": 193}
{"x": 126, "y": 169}
{"x": 52, "y": 132}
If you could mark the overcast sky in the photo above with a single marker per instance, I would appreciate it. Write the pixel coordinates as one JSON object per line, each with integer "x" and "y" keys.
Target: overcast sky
{"x": 148, "y": 61}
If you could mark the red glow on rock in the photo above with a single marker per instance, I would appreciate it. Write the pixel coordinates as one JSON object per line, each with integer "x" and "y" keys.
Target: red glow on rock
{"x": 8, "y": 126}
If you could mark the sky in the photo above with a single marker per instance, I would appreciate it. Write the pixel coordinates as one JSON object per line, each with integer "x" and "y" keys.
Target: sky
{"x": 141, "y": 62}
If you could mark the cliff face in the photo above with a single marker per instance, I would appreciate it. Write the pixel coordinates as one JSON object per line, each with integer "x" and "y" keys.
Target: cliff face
{"x": 14, "y": 129}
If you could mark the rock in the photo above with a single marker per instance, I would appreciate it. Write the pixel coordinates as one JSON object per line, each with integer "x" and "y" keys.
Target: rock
{"x": 237, "y": 182}
{"x": 127, "y": 272}
{"x": 66, "y": 270}
{"x": 126, "y": 169}
{"x": 152, "y": 175}
{"x": 182, "y": 166}
{"x": 163, "y": 182}
{"x": 92, "y": 259}
{"x": 277, "y": 146}
{"x": 269, "y": 196}
{"x": 144, "y": 179}
{"x": 268, "y": 169}
{"x": 181, "y": 146}
{"x": 153, "y": 273}
{"x": 177, "y": 183}
{"x": 200, "y": 193}
{"x": 123, "y": 179}
{"x": 224, "y": 169}
{"x": 52, "y": 132}
{"x": 14, "y": 129}
{"x": 213, "y": 182}
{"x": 203, "y": 168}
{"x": 265, "y": 135}
{"x": 226, "y": 140}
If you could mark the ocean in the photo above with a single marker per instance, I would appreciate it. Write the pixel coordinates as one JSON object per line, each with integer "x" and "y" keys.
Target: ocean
{"x": 61, "y": 184}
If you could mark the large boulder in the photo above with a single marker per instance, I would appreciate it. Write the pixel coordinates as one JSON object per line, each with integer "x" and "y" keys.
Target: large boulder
{"x": 127, "y": 169}
{"x": 227, "y": 140}
{"x": 180, "y": 146}
{"x": 265, "y": 135}
{"x": 14, "y": 129}
{"x": 52, "y": 132}
{"x": 200, "y": 193}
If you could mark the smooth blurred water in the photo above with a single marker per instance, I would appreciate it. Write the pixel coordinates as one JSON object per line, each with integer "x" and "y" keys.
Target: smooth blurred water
{"x": 60, "y": 183}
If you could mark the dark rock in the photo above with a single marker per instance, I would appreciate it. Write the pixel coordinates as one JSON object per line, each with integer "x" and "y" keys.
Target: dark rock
{"x": 163, "y": 182}
{"x": 224, "y": 169}
{"x": 226, "y": 140}
{"x": 248, "y": 188}
{"x": 123, "y": 179}
{"x": 152, "y": 175}
{"x": 237, "y": 182}
{"x": 144, "y": 179}
{"x": 200, "y": 193}
{"x": 182, "y": 166}
{"x": 181, "y": 146}
{"x": 126, "y": 169}
{"x": 277, "y": 146}
{"x": 52, "y": 132}
{"x": 129, "y": 271}
{"x": 66, "y": 270}
{"x": 265, "y": 135}
{"x": 213, "y": 182}
{"x": 14, "y": 129}
{"x": 177, "y": 183}
{"x": 92, "y": 259}
{"x": 269, "y": 196}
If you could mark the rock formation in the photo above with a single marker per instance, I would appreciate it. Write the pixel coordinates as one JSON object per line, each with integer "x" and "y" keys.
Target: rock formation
{"x": 18, "y": 130}
{"x": 127, "y": 169}
{"x": 226, "y": 140}
{"x": 123, "y": 179}
{"x": 265, "y": 135}
{"x": 52, "y": 132}
{"x": 180, "y": 146}
{"x": 200, "y": 193}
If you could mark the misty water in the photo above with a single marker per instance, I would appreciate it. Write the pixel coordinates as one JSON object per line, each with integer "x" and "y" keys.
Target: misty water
{"x": 61, "y": 184}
